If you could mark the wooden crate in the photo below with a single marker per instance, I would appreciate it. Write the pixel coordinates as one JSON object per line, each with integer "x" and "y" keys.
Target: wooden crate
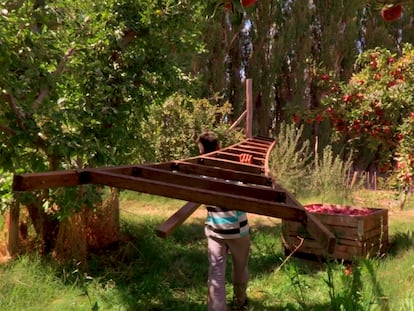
{"x": 356, "y": 235}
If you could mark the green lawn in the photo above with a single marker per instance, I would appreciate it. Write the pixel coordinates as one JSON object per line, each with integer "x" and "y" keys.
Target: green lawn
{"x": 145, "y": 272}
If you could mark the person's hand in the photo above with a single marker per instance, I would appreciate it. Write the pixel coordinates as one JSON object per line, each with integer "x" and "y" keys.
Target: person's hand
{"x": 246, "y": 158}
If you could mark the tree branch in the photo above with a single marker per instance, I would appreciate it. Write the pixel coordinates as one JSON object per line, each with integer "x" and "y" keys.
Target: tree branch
{"x": 15, "y": 109}
{"x": 59, "y": 69}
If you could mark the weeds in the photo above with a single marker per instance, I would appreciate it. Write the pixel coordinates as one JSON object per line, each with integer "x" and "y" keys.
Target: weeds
{"x": 298, "y": 284}
{"x": 348, "y": 295}
{"x": 74, "y": 276}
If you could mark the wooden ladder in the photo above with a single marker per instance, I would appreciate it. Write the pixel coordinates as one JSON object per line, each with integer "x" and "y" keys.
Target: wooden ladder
{"x": 216, "y": 178}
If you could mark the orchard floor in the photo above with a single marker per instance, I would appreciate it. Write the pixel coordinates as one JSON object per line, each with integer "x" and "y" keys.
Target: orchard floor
{"x": 365, "y": 198}
{"x": 138, "y": 205}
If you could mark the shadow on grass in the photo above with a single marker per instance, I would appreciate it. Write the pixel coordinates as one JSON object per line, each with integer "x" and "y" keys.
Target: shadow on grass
{"x": 400, "y": 241}
{"x": 151, "y": 273}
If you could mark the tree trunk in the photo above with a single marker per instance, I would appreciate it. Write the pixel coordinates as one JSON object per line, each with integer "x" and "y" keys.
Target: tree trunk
{"x": 403, "y": 198}
{"x": 45, "y": 225}
{"x": 89, "y": 230}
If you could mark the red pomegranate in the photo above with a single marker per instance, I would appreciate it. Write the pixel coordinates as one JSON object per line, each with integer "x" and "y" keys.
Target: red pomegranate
{"x": 391, "y": 13}
{"x": 248, "y": 3}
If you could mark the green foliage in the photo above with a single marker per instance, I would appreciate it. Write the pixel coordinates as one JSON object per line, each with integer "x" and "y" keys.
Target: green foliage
{"x": 329, "y": 174}
{"x": 88, "y": 196}
{"x": 372, "y": 114}
{"x": 354, "y": 286}
{"x": 6, "y": 195}
{"x": 77, "y": 78}
{"x": 298, "y": 283}
{"x": 289, "y": 161}
{"x": 172, "y": 128}
{"x": 350, "y": 286}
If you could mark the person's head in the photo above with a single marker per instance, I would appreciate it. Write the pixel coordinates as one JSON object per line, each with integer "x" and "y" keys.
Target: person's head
{"x": 207, "y": 142}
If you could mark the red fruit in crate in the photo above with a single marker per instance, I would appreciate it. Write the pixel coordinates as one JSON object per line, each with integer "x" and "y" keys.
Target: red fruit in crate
{"x": 391, "y": 13}
{"x": 248, "y": 3}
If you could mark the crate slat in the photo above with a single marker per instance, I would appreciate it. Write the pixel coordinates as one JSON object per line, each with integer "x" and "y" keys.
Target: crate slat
{"x": 356, "y": 236}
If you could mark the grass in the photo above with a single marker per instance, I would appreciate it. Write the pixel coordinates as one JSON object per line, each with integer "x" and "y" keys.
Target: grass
{"x": 145, "y": 272}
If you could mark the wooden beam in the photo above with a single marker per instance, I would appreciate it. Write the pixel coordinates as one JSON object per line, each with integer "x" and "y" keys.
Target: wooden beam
{"x": 249, "y": 108}
{"x": 320, "y": 233}
{"x": 211, "y": 171}
{"x": 316, "y": 229}
{"x": 202, "y": 196}
{"x": 254, "y": 147}
{"x": 235, "y": 123}
{"x": 213, "y": 184}
{"x": 67, "y": 178}
{"x": 34, "y": 181}
{"x": 255, "y": 142}
{"x": 262, "y": 145}
{"x": 236, "y": 150}
{"x": 230, "y": 165}
{"x": 13, "y": 228}
{"x": 176, "y": 219}
{"x": 235, "y": 157}
{"x": 267, "y": 161}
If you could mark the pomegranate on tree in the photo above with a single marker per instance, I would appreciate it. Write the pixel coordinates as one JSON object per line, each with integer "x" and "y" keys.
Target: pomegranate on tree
{"x": 391, "y": 13}
{"x": 245, "y": 3}
{"x": 248, "y": 3}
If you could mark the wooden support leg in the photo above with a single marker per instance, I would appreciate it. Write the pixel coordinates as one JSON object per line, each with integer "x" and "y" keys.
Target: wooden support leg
{"x": 13, "y": 229}
{"x": 177, "y": 219}
{"x": 317, "y": 229}
{"x": 325, "y": 237}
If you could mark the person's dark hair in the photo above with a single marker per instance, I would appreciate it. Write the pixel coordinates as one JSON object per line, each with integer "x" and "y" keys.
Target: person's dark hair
{"x": 209, "y": 141}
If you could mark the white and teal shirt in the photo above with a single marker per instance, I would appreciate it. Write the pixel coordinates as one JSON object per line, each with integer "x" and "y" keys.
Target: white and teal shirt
{"x": 226, "y": 224}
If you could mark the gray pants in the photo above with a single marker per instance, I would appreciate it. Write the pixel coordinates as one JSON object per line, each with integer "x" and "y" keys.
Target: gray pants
{"x": 217, "y": 255}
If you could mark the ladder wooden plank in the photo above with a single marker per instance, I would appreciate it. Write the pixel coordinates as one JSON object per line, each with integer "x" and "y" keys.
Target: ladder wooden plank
{"x": 318, "y": 230}
{"x": 236, "y": 150}
{"x": 202, "y": 196}
{"x": 214, "y": 184}
{"x": 235, "y": 157}
{"x": 166, "y": 228}
{"x": 34, "y": 181}
{"x": 230, "y": 165}
{"x": 256, "y": 147}
{"x": 211, "y": 171}
{"x": 262, "y": 139}
{"x": 267, "y": 159}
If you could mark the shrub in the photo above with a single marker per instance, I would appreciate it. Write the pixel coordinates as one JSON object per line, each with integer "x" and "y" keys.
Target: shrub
{"x": 289, "y": 161}
{"x": 172, "y": 128}
{"x": 301, "y": 172}
{"x": 328, "y": 176}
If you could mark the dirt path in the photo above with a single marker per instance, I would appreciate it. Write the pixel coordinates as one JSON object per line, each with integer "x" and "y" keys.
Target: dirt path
{"x": 137, "y": 208}
{"x": 401, "y": 216}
